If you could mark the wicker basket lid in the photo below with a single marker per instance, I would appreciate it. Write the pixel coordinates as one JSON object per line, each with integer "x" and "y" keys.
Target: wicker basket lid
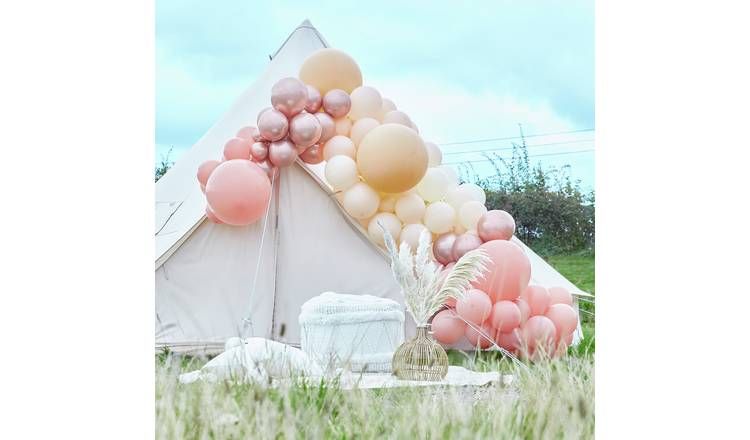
{"x": 331, "y": 303}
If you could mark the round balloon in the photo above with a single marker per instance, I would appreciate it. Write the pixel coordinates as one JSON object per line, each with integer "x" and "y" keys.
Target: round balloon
{"x": 314, "y": 99}
{"x": 564, "y": 317}
{"x": 313, "y": 155}
{"x": 237, "y": 148}
{"x": 259, "y": 151}
{"x": 392, "y": 158}
{"x": 397, "y": 117}
{"x": 341, "y": 172}
{"x": 411, "y": 233}
{"x": 248, "y": 132}
{"x": 510, "y": 341}
{"x": 337, "y": 103}
{"x": 212, "y": 217}
{"x": 343, "y": 126}
{"x": 289, "y": 96}
{"x": 443, "y": 248}
{"x": 482, "y": 340}
{"x": 305, "y": 130}
{"x": 451, "y": 173}
{"x": 464, "y": 243}
{"x": 339, "y": 146}
{"x": 538, "y": 299}
{"x": 361, "y": 128}
{"x": 433, "y": 185}
{"x": 439, "y": 217}
{"x": 205, "y": 170}
{"x": 475, "y": 306}
{"x": 271, "y": 171}
{"x": 463, "y": 193}
{"x": 539, "y": 333}
{"x": 361, "y": 201}
{"x": 282, "y": 153}
{"x": 366, "y": 103}
{"x": 470, "y": 213}
{"x": 523, "y": 306}
{"x": 435, "y": 156}
{"x": 496, "y": 225}
{"x": 505, "y": 316}
{"x": 383, "y": 220}
{"x": 327, "y": 125}
{"x": 447, "y": 328}
{"x": 508, "y": 273}
{"x": 387, "y": 106}
{"x": 410, "y": 208}
{"x": 238, "y": 192}
{"x": 328, "y": 69}
{"x": 273, "y": 125}
{"x": 560, "y": 295}
{"x": 388, "y": 202}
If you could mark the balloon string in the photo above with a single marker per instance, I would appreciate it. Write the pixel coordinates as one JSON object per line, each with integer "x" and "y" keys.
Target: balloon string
{"x": 249, "y": 320}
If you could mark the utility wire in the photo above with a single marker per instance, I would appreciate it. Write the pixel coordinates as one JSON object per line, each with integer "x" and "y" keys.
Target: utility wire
{"x": 476, "y": 141}
{"x": 510, "y": 148}
{"x": 534, "y": 155}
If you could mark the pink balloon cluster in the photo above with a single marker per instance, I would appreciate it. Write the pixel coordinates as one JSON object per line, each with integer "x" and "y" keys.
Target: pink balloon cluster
{"x": 493, "y": 225}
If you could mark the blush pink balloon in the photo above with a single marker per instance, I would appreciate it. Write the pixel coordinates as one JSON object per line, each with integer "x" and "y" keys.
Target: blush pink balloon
{"x": 305, "y": 130}
{"x": 476, "y": 338}
{"x": 510, "y": 341}
{"x": 538, "y": 299}
{"x": 289, "y": 96}
{"x": 205, "y": 169}
{"x": 259, "y": 151}
{"x": 464, "y": 243}
{"x": 314, "y": 100}
{"x": 212, "y": 217}
{"x": 539, "y": 332}
{"x": 508, "y": 272}
{"x": 248, "y": 132}
{"x": 475, "y": 306}
{"x": 560, "y": 295}
{"x": 237, "y": 148}
{"x": 443, "y": 248}
{"x": 496, "y": 225}
{"x": 328, "y": 125}
{"x": 313, "y": 155}
{"x": 523, "y": 306}
{"x": 238, "y": 192}
{"x": 505, "y": 316}
{"x": 282, "y": 153}
{"x": 564, "y": 317}
{"x": 447, "y": 328}
{"x": 268, "y": 168}
{"x": 337, "y": 103}
{"x": 273, "y": 125}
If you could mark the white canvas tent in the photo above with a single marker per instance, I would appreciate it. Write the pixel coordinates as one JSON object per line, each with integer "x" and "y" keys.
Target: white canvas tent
{"x": 205, "y": 272}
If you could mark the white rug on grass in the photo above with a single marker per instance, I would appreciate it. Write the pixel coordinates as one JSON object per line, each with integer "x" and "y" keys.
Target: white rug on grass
{"x": 457, "y": 376}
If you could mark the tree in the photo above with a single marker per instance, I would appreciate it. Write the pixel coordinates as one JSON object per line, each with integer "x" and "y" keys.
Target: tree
{"x": 164, "y": 165}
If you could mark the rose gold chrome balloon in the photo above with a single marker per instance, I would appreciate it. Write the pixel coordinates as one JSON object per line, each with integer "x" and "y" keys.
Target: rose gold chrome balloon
{"x": 313, "y": 155}
{"x": 464, "y": 243}
{"x": 259, "y": 151}
{"x": 282, "y": 153}
{"x": 328, "y": 125}
{"x": 273, "y": 125}
{"x": 496, "y": 225}
{"x": 443, "y": 248}
{"x": 314, "y": 99}
{"x": 305, "y": 130}
{"x": 289, "y": 96}
{"x": 337, "y": 103}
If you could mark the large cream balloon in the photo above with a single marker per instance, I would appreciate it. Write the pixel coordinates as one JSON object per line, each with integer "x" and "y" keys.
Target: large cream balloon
{"x": 388, "y": 221}
{"x": 434, "y": 185}
{"x": 392, "y": 158}
{"x": 434, "y": 154}
{"x": 410, "y": 208}
{"x": 464, "y": 193}
{"x": 361, "y": 201}
{"x": 410, "y": 234}
{"x": 339, "y": 146}
{"x": 439, "y": 217}
{"x": 388, "y": 106}
{"x": 388, "y": 202}
{"x": 341, "y": 172}
{"x": 328, "y": 69}
{"x": 343, "y": 126}
{"x": 470, "y": 213}
{"x": 361, "y": 128}
{"x": 366, "y": 103}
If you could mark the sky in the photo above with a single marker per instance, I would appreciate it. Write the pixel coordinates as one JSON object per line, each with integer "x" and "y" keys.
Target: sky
{"x": 468, "y": 75}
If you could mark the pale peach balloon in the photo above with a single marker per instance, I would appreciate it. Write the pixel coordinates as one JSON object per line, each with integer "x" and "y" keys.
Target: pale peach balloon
{"x": 388, "y": 202}
{"x": 238, "y": 192}
{"x": 560, "y": 295}
{"x": 435, "y": 156}
{"x": 410, "y": 208}
{"x": 366, "y": 103}
{"x": 470, "y": 213}
{"x": 410, "y": 235}
{"x": 343, "y": 126}
{"x": 328, "y": 125}
{"x": 397, "y": 117}
{"x": 383, "y": 220}
{"x": 463, "y": 193}
{"x": 439, "y": 217}
{"x": 388, "y": 106}
{"x": 361, "y": 201}
{"x": 361, "y": 128}
{"x": 447, "y": 328}
{"x": 392, "y": 158}
{"x": 434, "y": 185}
{"x": 341, "y": 172}
{"x": 451, "y": 173}
{"x": 328, "y": 69}
{"x": 339, "y": 146}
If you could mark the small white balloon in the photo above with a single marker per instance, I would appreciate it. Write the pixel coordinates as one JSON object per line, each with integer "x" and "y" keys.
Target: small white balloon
{"x": 463, "y": 193}
{"x": 343, "y": 126}
{"x": 439, "y": 217}
{"x": 410, "y": 234}
{"x": 388, "y": 203}
{"x": 388, "y": 106}
{"x": 434, "y": 154}
{"x": 366, "y": 103}
{"x": 470, "y": 213}
{"x": 388, "y": 221}
{"x": 361, "y": 201}
{"x": 361, "y": 128}
{"x": 397, "y": 117}
{"x": 341, "y": 172}
{"x": 410, "y": 208}
{"x": 434, "y": 185}
{"x": 339, "y": 145}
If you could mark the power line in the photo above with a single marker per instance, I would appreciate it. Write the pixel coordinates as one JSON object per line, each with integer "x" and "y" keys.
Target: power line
{"x": 476, "y": 141}
{"x": 510, "y": 148}
{"x": 534, "y": 155}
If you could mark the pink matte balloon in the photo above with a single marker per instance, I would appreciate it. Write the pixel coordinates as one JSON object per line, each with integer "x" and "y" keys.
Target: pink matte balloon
{"x": 443, "y": 248}
{"x": 313, "y": 155}
{"x": 505, "y": 316}
{"x": 205, "y": 169}
{"x": 475, "y": 338}
{"x": 510, "y": 341}
{"x": 305, "y": 130}
{"x": 447, "y": 328}
{"x": 328, "y": 125}
{"x": 273, "y": 125}
{"x": 496, "y": 225}
{"x": 238, "y": 192}
{"x": 523, "y": 306}
{"x": 475, "y": 306}
{"x": 212, "y": 217}
{"x": 508, "y": 273}
{"x": 237, "y": 148}
{"x": 464, "y": 243}
{"x": 337, "y": 103}
{"x": 268, "y": 168}
{"x": 314, "y": 100}
{"x": 259, "y": 151}
{"x": 289, "y": 96}
{"x": 538, "y": 299}
{"x": 560, "y": 295}
{"x": 282, "y": 153}
{"x": 248, "y": 132}
{"x": 564, "y": 317}
{"x": 539, "y": 331}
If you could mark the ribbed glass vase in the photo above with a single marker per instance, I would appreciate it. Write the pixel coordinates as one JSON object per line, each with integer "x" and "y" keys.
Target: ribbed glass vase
{"x": 420, "y": 358}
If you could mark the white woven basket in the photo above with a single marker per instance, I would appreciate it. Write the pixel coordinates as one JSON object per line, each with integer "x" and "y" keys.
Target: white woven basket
{"x": 355, "y": 332}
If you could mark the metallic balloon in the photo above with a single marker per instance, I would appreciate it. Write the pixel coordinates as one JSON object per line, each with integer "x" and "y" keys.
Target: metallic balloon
{"x": 337, "y": 103}
{"x": 496, "y": 225}
{"x": 313, "y": 155}
{"x": 273, "y": 125}
{"x": 268, "y": 168}
{"x": 256, "y": 135}
{"x": 328, "y": 125}
{"x": 259, "y": 151}
{"x": 282, "y": 153}
{"x": 314, "y": 99}
{"x": 443, "y": 248}
{"x": 305, "y": 130}
{"x": 464, "y": 243}
{"x": 289, "y": 96}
